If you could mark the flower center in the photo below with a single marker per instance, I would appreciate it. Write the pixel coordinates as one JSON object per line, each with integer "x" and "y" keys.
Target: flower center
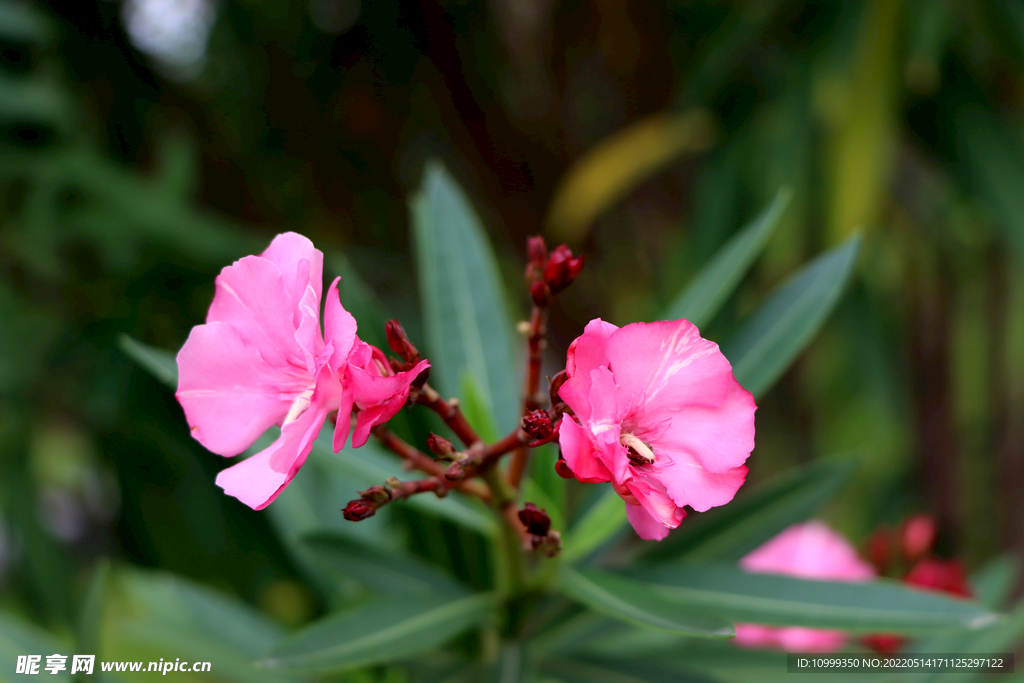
{"x": 639, "y": 453}
{"x": 299, "y": 406}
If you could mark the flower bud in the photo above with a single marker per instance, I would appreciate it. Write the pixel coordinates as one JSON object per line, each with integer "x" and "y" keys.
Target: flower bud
{"x": 358, "y": 510}
{"x": 376, "y": 494}
{"x": 538, "y": 425}
{"x": 440, "y": 446}
{"x": 556, "y": 383}
{"x": 918, "y": 535}
{"x": 536, "y": 253}
{"x": 455, "y": 472}
{"x": 399, "y": 342}
{"x": 562, "y": 268}
{"x": 540, "y": 293}
{"x": 943, "y": 576}
{"x": 562, "y": 468}
{"x": 535, "y": 520}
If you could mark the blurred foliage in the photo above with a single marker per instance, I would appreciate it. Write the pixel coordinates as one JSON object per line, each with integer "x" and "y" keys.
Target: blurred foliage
{"x": 648, "y": 134}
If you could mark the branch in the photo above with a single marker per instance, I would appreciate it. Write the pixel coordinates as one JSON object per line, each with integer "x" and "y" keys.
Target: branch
{"x": 451, "y": 413}
{"x": 416, "y": 459}
{"x": 536, "y": 344}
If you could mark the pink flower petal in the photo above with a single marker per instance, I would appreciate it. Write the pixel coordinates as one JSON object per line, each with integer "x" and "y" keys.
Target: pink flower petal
{"x": 667, "y": 365}
{"x": 589, "y": 351}
{"x": 229, "y": 393}
{"x": 690, "y": 484}
{"x": 251, "y": 296}
{"x": 789, "y": 638}
{"x": 579, "y": 453}
{"x": 720, "y": 438}
{"x": 647, "y": 527}
{"x": 286, "y": 251}
{"x": 339, "y": 327}
{"x": 258, "y": 480}
{"x": 810, "y": 550}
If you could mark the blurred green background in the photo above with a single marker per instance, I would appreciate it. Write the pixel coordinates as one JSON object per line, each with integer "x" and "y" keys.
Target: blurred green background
{"x": 145, "y": 144}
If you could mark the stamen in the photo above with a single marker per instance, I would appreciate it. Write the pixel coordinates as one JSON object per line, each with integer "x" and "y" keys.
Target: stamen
{"x": 299, "y": 406}
{"x": 639, "y": 453}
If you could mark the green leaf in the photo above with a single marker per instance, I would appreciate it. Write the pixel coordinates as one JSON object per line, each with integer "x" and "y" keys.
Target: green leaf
{"x": 731, "y": 531}
{"x": 90, "y": 617}
{"x": 385, "y": 572}
{"x": 595, "y": 670}
{"x": 993, "y": 583}
{"x": 769, "y": 341}
{"x": 380, "y": 631}
{"x": 465, "y": 313}
{"x": 598, "y": 524}
{"x": 774, "y": 600}
{"x": 150, "y": 615}
{"x": 634, "y": 602}
{"x": 21, "y": 638}
{"x": 702, "y": 298}
{"x": 159, "y": 363}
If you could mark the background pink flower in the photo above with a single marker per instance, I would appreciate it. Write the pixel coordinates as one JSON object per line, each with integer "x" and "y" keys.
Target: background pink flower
{"x": 812, "y": 551}
{"x": 659, "y": 414}
{"x": 261, "y": 360}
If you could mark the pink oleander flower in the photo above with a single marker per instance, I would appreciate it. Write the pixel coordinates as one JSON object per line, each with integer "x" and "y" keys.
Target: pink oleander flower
{"x": 659, "y": 414}
{"x": 811, "y": 551}
{"x": 261, "y": 359}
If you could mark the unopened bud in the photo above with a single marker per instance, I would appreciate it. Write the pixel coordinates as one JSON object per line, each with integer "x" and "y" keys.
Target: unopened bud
{"x": 562, "y": 268}
{"x": 358, "y": 510}
{"x": 399, "y": 342}
{"x": 562, "y": 468}
{"x": 556, "y": 383}
{"x": 376, "y": 494}
{"x": 537, "y": 424}
{"x": 536, "y": 252}
{"x": 455, "y": 472}
{"x": 540, "y": 293}
{"x": 918, "y": 535}
{"x": 943, "y": 576}
{"x": 552, "y": 544}
{"x": 535, "y": 519}
{"x": 440, "y": 446}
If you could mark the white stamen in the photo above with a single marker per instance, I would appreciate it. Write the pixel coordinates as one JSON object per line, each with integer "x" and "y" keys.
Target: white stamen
{"x": 641, "y": 450}
{"x": 299, "y": 406}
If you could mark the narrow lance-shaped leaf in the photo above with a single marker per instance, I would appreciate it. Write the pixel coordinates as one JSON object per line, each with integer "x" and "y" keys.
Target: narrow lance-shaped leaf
{"x": 379, "y": 631}
{"x": 636, "y": 603}
{"x": 704, "y": 296}
{"x": 604, "y": 518}
{"x": 157, "y": 362}
{"x": 774, "y": 600}
{"x": 465, "y": 313}
{"x": 391, "y": 573}
{"x": 769, "y": 341}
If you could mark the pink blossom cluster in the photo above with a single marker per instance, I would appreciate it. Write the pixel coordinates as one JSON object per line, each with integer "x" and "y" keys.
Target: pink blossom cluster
{"x": 261, "y": 360}
{"x": 811, "y": 551}
{"x": 658, "y": 413}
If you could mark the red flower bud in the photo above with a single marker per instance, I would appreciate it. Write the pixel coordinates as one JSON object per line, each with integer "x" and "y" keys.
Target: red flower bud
{"x": 536, "y": 253}
{"x": 535, "y": 520}
{"x": 455, "y": 472}
{"x": 917, "y": 536}
{"x": 539, "y": 293}
{"x": 399, "y": 342}
{"x": 880, "y": 548}
{"x": 378, "y": 495}
{"x": 562, "y": 468}
{"x": 884, "y": 643}
{"x": 562, "y": 268}
{"x": 358, "y": 510}
{"x": 943, "y": 576}
{"x": 538, "y": 425}
{"x": 440, "y": 446}
{"x": 556, "y": 383}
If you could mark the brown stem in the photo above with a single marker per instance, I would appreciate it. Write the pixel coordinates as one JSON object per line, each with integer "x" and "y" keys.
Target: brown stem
{"x": 416, "y": 459}
{"x": 451, "y": 413}
{"x": 538, "y": 328}
{"x": 439, "y": 485}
